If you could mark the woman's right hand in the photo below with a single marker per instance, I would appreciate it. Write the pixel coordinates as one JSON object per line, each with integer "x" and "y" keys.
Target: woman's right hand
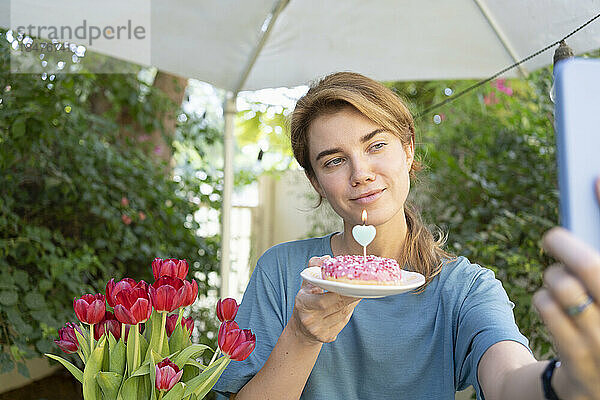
{"x": 318, "y": 317}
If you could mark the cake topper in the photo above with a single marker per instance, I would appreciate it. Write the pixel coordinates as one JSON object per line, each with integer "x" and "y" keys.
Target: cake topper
{"x": 364, "y": 234}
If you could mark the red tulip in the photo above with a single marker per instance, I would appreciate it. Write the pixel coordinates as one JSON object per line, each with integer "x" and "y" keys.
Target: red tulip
{"x": 166, "y": 293}
{"x": 67, "y": 340}
{"x": 90, "y": 308}
{"x": 227, "y": 309}
{"x": 236, "y": 343}
{"x": 108, "y": 324}
{"x": 113, "y": 288}
{"x": 133, "y": 304}
{"x": 172, "y": 321}
{"x": 169, "y": 267}
{"x": 190, "y": 293}
{"x": 223, "y": 329}
{"x": 167, "y": 374}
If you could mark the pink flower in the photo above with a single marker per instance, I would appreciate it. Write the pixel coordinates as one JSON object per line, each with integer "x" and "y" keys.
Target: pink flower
{"x": 143, "y": 138}
{"x": 500, "y": 84}
{"x": 67, "y": 340}
{"x": 167, "y": 374}
{"x": 166, "y": 293}
{"x": 124, "y": 201}
{"x": 142, "y": 216}
{"x": 172, "y": 321}
{"x": 90, "y": 308}
{"x": 490, "y": 99}
{"x": 126, "y": 219}
{"x": 157, "y": 150}
{"x": 227, "y": 309}
{"x": 169, "y": 267}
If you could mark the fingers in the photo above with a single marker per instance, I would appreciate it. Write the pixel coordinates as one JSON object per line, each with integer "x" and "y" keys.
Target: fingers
{"x": 571, "y": 345}
{"x": 309, "y": 288}
{"x": 579, "y": 258}
{"x": 598, "y": 189}
{"x": 317, "y": 261}
{"x": 568, "y": 292}
{"x": 326, "y": 329}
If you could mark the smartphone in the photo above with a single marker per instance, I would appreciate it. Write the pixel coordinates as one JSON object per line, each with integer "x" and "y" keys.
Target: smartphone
{"x": 577, "y": 119}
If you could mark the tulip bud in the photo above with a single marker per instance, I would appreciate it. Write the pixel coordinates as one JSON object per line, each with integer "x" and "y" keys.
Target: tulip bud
{"x": 172, "y": 321}
{"x": 169, "y": 267}
{"x": 166, "y": 293}
{"x": 112, "y": 288}
{"x": 108, "y": 324}
{"x": 190, "y": 293}
{"x": 224, "y": 329}
{"x": 90, "y": 308}
{"x": 227, "y": 309}
{"x": 67, "y": 340}
{"x": 133, "y": 304}
{"x": 167, "y": 374}
{"x": 244, "y": 345}
{"x": 238, "y": 344}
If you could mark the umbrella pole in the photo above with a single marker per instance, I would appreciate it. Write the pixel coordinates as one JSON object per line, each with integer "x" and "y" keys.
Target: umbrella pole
{"x": 229, "y": 112}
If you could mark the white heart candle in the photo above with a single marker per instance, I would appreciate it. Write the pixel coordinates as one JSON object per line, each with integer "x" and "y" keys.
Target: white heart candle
{"x": 364, "y": 234}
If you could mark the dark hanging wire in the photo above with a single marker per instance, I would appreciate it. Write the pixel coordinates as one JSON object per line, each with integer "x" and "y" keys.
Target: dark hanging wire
{"x": 476, "y": 85}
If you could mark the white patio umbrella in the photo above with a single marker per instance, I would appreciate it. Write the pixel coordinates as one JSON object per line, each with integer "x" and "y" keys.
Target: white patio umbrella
{"x": 254, "y": 44}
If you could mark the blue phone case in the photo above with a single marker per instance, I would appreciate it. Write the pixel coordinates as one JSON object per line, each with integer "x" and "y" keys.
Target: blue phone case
{"x": 577, "y": 84}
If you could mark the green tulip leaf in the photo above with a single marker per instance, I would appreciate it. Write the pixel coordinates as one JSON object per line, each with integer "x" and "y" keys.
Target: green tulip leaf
{"x": 109, "y": 382}
{"x": 192, "y": 351}
{"x": 76, "y": 372}
{"x": 202, "y": 384}
{"x": 144, "y": 369}
{"x": 91, "y": 390}
{"x": 133, "y": 359}
{"x": 144, "y": 345}
{"x": 196, "y": 364}
{"x": 129, "y": 389}
{"x": 178, "y": 340}
{"x": 152, "y": 377}
{"x": 84, "y": 345}
{"x": 176, "y": 392}
{"x": 154, "y": 327}
{"x": 117, "y": 357}
{"x": 143, "y": 387}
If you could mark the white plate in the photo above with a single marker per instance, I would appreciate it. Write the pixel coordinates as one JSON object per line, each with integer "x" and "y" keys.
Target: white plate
{"x": 410, "y": 280}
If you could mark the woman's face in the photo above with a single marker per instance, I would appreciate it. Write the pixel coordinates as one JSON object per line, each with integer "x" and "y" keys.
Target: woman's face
{"x": 359, "y": 165}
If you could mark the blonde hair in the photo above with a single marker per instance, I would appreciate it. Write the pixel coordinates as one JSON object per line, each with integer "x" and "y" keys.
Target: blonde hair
{"x": 422, "y": 252}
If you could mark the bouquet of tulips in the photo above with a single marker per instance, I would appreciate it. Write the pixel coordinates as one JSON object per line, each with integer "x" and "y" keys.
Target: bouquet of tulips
{"x": 138, "y": 351}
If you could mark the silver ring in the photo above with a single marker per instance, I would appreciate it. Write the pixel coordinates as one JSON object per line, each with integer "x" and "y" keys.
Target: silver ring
{"x": 578, "y": 309}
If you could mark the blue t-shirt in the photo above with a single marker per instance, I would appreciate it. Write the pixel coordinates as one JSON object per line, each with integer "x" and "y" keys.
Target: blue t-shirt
{"x": 406, "y": 346}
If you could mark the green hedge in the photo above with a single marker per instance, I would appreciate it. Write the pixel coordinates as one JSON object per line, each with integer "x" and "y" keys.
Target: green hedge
{"x": 80, "y": 203}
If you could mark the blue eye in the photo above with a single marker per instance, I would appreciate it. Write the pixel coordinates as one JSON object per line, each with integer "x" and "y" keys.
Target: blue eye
{"x": 379, "y": 146}
{"x": 332, "y": 163}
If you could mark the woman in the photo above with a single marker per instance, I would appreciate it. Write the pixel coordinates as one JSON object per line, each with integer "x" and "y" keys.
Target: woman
{"x": 355, "y": 140}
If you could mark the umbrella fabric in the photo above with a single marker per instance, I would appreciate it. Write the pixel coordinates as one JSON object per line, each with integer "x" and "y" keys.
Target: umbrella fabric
{"x": 384, "y": 39}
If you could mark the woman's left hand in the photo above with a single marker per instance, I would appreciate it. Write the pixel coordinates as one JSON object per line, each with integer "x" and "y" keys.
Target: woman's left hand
{"x": 570, "y": 308}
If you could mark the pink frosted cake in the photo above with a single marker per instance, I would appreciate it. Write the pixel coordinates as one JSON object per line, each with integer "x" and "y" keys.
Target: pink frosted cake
{"x": 353, "y": 269}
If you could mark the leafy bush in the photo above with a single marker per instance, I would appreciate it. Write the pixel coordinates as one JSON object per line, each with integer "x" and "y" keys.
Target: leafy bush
{"x": 83, "y": 200}
{"x": 491, "y": 182}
